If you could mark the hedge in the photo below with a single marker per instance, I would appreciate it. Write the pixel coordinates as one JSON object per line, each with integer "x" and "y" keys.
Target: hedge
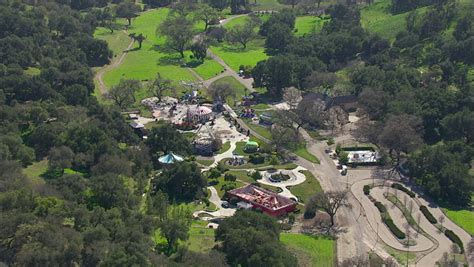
{"x": 428, "y": 215}
{"x": 380, "y": 207}
{"x": 393, "y": 228}
{"x": 366, "y": 190}
{"x": 404, "y": 189}
{"x": 454, "y": 238}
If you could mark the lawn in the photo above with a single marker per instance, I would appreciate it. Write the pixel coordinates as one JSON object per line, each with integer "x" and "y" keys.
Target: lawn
{"x": 307, "y": 189}
{"x": 261, "y": 130}
{"x": 378, "y": 19}
{"x": 117, "y": 41}
{"x": 207, "y": 69}
{"x": 308, "y": 24}
{"x": 143, "y": 64}
{"x": 310, "y": 251}
{"x": 238, "y": 88}
{"x": 303, "y": 152}
{"x": 224, "y": 148}
{"x": 236, "y": 55}
{"x": 201, "y": 239}
{"x": 205, "y": 162}
{"x": 35, "y": 170}
{"x": 463, "y": 218}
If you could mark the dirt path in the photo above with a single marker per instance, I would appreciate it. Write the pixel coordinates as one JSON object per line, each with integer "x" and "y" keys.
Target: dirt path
{"x": 116, "y": 62}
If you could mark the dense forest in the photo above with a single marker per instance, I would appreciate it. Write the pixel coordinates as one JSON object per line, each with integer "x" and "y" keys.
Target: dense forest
{"x": 414, "y": 92}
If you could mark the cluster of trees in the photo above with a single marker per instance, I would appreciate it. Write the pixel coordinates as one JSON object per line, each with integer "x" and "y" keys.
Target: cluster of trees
{"x": 302, "y": 62}
{"x": 250, "y": 238}
{"x": 85, "y": 210}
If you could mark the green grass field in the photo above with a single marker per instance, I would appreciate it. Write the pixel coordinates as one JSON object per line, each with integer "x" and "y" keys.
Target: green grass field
{"x": 208, "y": 69}
{"x": 117, "y": 41}
{"x": 463, "y": 218}
{"x": 308, "y": 24}
{"x": 143, "y": 64}
{"x": 235, "y": 55}
{"x": 378, "y": 19}
{"x": 35, "y": 170}
{"x": 306, "y": 189}
{"x": 310, "y": 251}
{"x": 303, "y": 152}
{"x": 201, "y": 239}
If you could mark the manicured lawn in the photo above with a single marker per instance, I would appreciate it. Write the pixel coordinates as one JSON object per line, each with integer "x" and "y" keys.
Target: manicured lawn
{"x": 318, "y": 251}
{"x": 205, "y": 162}
{"x": 261, "y": 130}
{"x": 208, "y": 69}
{"x": 303, "y": 152}
{"x": 35, "y": 170}
{"x": 306, "y": 190}
{"x": 378, "y": 19}
{"x": 463, "y": 218}
{"x": 267, "y": 5}
{"x": 236, "y": 85}
{"x": 143, "y": 64}
{"x": 308, "y": 24}
{"x": 235, "y": 55}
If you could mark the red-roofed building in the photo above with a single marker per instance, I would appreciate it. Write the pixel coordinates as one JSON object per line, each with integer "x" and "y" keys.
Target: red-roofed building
{"x": 264, "y": 200}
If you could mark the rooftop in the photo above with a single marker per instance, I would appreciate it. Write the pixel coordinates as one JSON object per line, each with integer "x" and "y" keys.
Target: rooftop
{"x": 262, "y": 197}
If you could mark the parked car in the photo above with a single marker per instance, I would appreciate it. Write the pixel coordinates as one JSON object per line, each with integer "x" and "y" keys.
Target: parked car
{"x": 225, "y": 204}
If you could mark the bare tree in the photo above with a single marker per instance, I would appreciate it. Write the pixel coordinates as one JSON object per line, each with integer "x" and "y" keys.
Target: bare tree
{"x": 329, "y": 202}
{"x": 221, "y": 91}
{"x": 284, "y": 137}
{"x": 123, "y": 94}
{"x": 159, "y": 86}
{"x": 312, "y": 112}
{"x": 292, "y": 96}
{"x": 401, "y": 134}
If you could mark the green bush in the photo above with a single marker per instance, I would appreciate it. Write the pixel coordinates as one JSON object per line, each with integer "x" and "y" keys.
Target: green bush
{"x": 257, "y": 158}
{"x": 230, "y": 177}
{"x": 366, "y": 190}
{"x": 380, "y": 207}
{"x": 393, "y": 228}
{"x": 404, "y": 189}
{"x": 428, "y": 215}
{"x": 256, "y": 175}
{"x": 454, "y": 238}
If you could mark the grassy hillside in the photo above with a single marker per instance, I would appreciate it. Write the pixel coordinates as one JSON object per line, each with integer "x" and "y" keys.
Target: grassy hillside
{"x": 311, "y": 251}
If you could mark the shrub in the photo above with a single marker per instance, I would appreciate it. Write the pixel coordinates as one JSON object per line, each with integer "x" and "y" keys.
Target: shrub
{"x": 257, "y": 158}
{"x": 454, "y": 238}
{"x": 380, "y": 207}
{"x": 366, "y": 190}
{"x": 343, "y": 157}
{"x": 285, "y": 226}
{"x": 214, "y": 173}
{"x": 330, "y": 141}
{"x": 393, "y": 228}
{"x": 256, "y": 175}
{"x": 291, "y": 218}
{"x": 309, "y": 214}
{"x": 428, "y": 215}
{"x": 230, "y": 177}
{"x": 404, "y": 189}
